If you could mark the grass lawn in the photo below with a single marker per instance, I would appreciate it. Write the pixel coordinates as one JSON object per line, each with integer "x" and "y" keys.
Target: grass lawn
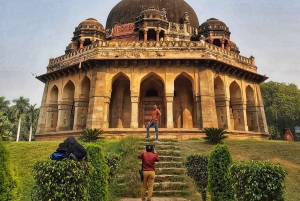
{"x": 23, "y": 155}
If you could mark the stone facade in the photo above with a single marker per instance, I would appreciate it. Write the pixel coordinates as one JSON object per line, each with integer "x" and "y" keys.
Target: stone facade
{"x": 112, "y": 82}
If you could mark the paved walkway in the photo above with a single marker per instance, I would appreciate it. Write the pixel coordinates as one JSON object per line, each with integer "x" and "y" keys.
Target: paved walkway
{"x": 155, "y": 199}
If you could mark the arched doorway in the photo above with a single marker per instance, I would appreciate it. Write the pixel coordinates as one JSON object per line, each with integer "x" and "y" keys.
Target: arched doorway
{"x": 120, "y": 103}
{"x": 52, "y": 110}
{"x": 183, "y": 103}
{"x": 82, "y": 104}
{"x": 236, "y": 106}
{"x": 67, "y": 109}
{"x": 151, "y": 92}
{"x": 220, "y": 100}
{"x": 251, "y": 110}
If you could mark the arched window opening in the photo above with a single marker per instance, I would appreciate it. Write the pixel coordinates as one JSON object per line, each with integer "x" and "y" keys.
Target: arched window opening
{"x": 151, "y": 93}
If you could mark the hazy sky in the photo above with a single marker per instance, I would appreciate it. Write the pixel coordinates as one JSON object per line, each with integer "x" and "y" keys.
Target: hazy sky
{"x": 32, "y": 31}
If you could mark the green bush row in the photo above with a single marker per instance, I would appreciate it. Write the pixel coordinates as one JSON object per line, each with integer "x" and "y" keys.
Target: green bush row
{"x": 242, "y": 181}
{"x": 9, "y": 184}
{"x": 61, "y": 180}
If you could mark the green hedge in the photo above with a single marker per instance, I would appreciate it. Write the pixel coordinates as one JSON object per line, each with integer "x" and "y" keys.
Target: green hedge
{"x": 255, "y": 181}
{"x": 66, "y": 180}
{"x": 112, "y": 161}
{"x": 196, "y": 166}
{"x": 98, "y": 189}
{"x": 9, "y": 188}
{"x": 219, "y": 182}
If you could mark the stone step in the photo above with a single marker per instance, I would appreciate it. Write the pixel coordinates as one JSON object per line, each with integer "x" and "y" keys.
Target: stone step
{"x": 169, "y": 164}
{"x": 171, "y": 193}
{"x": 163, "y": 146}
{"x": 170, "y": 171}
{"x": 169, "y": 152}
{"x": 169, "y": 178}
{"x": 158, "y": 186}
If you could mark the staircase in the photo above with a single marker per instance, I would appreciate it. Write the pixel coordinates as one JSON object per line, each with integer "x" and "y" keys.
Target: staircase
{"x": 170, "y": 177}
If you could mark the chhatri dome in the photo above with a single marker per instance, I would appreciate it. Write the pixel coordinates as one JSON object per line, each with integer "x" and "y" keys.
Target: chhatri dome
{"x": 127, "y": 10}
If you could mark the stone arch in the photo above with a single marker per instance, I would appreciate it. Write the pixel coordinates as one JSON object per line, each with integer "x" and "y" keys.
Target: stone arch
{"x": 120, "y": 102}
{"x": 220, "y": 100}
{"x": 189, "y": 77}
{"x": 183, "y": 102}
{"x": 85, "y": 86}
{"x": 152, "y": 91}
{"x": 53, "y": 98}
{"x": 251, "y": 112}
{"x": 68, "y": 91}
{"x": 236, "y": 107}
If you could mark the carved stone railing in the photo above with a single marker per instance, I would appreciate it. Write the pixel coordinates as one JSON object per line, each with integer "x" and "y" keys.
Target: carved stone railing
{"x": 150, "y": 50}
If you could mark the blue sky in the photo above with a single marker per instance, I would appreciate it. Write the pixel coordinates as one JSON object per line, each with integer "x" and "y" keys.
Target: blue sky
{"x": 33, "y": 31}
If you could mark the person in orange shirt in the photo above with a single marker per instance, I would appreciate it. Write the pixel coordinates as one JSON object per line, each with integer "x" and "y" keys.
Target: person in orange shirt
{"x": 154, "y": 122}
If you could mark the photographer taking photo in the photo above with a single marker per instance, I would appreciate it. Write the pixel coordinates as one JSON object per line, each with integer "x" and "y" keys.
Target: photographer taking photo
{"x": 149, "y": 157}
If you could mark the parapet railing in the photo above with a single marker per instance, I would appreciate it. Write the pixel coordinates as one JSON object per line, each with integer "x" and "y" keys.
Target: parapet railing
{"x": 106, "y": 49}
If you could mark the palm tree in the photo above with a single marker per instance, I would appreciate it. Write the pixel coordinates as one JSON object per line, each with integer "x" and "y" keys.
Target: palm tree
{"x": 32, "y": 114}
{"x": 20, "y": 107}
{"x": 4, "y": 104}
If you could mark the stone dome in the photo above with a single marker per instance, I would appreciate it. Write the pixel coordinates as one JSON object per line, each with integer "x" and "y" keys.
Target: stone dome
{"x": 126, "y": 11}
{"x": 91, "y": 24}
{"x": 213, "y": 24}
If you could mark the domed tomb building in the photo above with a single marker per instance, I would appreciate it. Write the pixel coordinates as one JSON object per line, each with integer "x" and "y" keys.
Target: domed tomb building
{"x": 152, "y": 52}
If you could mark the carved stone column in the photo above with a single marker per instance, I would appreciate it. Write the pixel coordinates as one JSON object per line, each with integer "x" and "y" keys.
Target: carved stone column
{"x": 239, "y": 115}
{"x": 75, "y": 47}
{"x": 145, "y": 35}
{"x": 64, "y": 116}
{"x": 211, "y": 40}
{"x": 51, "y": 118}
{"x": 81, "y": 111}
{"x": 134, "y": 111}
{"x": 120, "y": 114}
{"x": 81, "y": 43}
{"x": 157, "y": 35}
{"x": 252, "y": 118}
{"x": 222, "y": 40}
{"x": 223, "y": 113}
{"x": 106, "y": 112}
{"x": 165, "y": 37}
{"x": 170, "y": 121}
{"x": 198, "y": 111}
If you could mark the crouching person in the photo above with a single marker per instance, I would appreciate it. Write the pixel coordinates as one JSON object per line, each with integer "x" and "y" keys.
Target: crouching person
{"x": 149, "y": 157}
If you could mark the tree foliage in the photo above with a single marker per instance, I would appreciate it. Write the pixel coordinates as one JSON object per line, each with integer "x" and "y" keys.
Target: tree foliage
{"x": 219, "y": 182}
{"x": 61, "y": 180}
{"x": 255, "y": 181}
{"x": 196, "y": 166}
{"x": 282, "y": 107}
{"x": 98, "y": 188}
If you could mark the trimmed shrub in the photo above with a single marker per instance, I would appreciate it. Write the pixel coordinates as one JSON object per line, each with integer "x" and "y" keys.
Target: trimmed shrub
{"x": 219, "y": 181}
{"x": 66, "y": 180}
{"x": 8, "y": 183}
{"x": 90, "y": 135}
{"x": 112, "y": 161}
{"x": 214, "y": 135}
{"x": 255, "y": 181}
{"x": 196, "y": 165}
{"x": 98, "y": 189}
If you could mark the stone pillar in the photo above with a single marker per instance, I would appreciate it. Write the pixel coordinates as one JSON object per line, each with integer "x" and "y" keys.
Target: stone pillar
{"x": 239, "y": 115}
{"x": 198, "y": 111}
{"x": 165, "y": 37}
{"x": 222, "y": 40}
{"x": 207, "y": 98}
{"x": 211, "y": 40}
{"x": 170, "y": 121}
{"x": 145, "y": 35}
{"x": 51, "y": 118}
{"x": 43, "y": 112}
{"x": 81, "y": 43}
{"x": 227, "y": 47}
{"x": 75, "y": 47}
{"x": 64, "y": 116}
{"x": 134, "y": 111}
{"x": 81, "y": 111}
{"x": 223, "y": 113}
{"x": 120, "y": 114}
{"x": 252, "y": 118}
{"x": 157, "y": 35}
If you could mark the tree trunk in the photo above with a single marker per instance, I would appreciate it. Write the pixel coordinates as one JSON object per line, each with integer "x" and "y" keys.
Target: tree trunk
{"x": 30, "y": 132}
{"x": 19, "y": 127}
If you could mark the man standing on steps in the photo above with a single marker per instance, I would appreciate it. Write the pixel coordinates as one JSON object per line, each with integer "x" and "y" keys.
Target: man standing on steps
{"x": 154, "y": 122}
{"x": 149, "y": 157}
